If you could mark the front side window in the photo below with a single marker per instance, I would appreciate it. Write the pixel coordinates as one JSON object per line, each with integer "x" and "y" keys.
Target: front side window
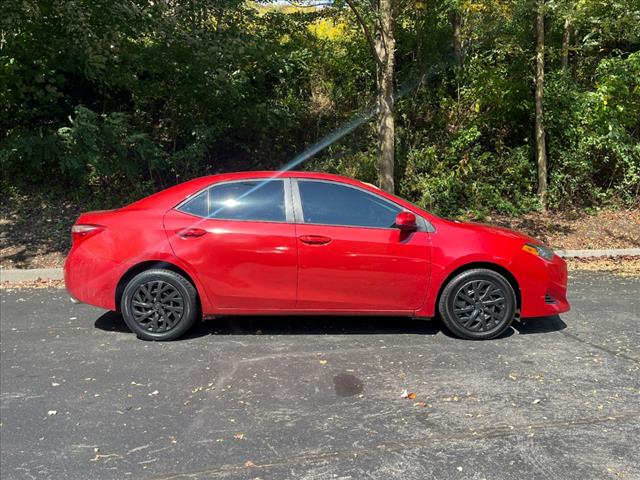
{"x": 329, "y": 203}
{"x": 257, "y": 200}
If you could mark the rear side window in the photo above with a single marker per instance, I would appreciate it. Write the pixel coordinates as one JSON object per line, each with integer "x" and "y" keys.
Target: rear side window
{"x": 329, "y": 203}
{"x": 257, "y": 200}
{"x": 198, "y": 205}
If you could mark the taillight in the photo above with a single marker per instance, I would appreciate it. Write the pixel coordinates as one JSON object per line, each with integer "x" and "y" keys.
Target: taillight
{"x": 81, "y": 232}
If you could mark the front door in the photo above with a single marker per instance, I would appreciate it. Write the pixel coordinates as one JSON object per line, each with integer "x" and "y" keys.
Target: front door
{"x": 351, "y": 258}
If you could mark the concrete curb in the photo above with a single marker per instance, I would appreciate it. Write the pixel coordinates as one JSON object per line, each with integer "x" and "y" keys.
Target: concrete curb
{"x": 21, "y": 275}
{"x": 607, "y": 252}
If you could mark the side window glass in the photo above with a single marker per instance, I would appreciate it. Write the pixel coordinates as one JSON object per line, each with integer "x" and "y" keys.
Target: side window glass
{"x": 198, "y": 205}
{"x": 329, "y": 203}
{"x": 258, "y": 200}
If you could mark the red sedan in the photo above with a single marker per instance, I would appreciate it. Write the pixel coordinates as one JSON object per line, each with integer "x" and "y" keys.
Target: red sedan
{"x": 304, "y": 243}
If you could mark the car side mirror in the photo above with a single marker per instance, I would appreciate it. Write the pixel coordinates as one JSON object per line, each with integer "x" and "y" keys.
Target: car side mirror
{"x": 406, "y": 221}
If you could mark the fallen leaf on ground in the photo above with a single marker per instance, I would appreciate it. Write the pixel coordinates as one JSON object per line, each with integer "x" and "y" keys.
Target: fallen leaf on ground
{"x": 406, "y": 394}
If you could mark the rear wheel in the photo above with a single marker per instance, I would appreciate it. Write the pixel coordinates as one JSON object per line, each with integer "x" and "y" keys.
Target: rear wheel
{"x": 478, "y": 304}
{"x": 159, "y": 304}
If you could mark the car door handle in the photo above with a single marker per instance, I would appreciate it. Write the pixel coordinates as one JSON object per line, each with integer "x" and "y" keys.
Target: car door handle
{"x": 190, "y": 232}
{"x": 314, "y": 239}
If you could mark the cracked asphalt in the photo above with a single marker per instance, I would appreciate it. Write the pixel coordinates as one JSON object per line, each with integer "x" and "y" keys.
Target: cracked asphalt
{"x": 320, "y": 398}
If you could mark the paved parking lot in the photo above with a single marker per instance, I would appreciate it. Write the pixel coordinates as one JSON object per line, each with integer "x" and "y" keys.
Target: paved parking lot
{"x": 319, "y": 398}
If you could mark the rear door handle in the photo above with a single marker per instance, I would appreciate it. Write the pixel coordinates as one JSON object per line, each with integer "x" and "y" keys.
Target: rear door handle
{"x": 315, "y": 239}
{"x": 190, "y": 232}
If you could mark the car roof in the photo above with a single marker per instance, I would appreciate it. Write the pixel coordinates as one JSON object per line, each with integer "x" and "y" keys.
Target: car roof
{"x": 280, "y": 174}
{"x": 172, "y": 196}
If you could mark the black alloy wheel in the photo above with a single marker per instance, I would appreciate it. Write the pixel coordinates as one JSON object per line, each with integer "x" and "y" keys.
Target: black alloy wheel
{"x": 159, "y": 304}
{"x": 478, "y": 304}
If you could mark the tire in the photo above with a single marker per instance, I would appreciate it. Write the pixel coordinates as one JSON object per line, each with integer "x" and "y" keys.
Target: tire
{"x": 478, "y": 304}
{"x": 159, "y": 304}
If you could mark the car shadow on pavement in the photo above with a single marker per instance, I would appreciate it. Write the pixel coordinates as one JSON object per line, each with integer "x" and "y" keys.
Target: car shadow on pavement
{"x": 327, "y": 325}
{"x": 540, "y": 325}
{"x": 111, "y": 322}
{"x": 316, "y": 325}
{"x": 291, "y": 325}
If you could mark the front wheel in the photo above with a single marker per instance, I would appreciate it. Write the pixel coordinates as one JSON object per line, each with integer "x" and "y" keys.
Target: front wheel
{"x": 159, "y": 304}
{"x": 478, "y": 304}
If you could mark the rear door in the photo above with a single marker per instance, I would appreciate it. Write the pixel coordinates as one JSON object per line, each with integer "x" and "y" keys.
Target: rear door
{"x": 351, "y": 258}
{"x": 239, "y": 237}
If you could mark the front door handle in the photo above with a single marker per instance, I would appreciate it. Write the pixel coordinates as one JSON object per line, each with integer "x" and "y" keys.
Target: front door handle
{"x": 314, "y": 239}
{"x": 190, "y": 232}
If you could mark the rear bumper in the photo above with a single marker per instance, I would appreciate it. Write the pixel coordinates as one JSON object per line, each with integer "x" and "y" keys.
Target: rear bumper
{"x": 92, "y": 280}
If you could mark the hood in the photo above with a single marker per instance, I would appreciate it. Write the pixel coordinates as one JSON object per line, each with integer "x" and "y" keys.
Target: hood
{"x": 495, "y": 230}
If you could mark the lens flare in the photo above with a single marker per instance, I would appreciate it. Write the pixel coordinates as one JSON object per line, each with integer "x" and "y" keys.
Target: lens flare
{"x": 357, "y": 120}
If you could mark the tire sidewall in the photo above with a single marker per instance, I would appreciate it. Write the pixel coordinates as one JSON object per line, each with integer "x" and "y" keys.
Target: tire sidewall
{"x": 447, "y": 300}
{"x": 182, "y": 285}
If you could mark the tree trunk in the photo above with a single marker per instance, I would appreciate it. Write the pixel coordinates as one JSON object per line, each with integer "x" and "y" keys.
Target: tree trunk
{"x": 385, "y": 68}
{"x": 566, "y": 37}
{"x": 456, "y": 25}
{"x": 541, "y": 150}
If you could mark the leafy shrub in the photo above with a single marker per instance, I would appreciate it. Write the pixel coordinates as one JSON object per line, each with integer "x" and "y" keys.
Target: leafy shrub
{"x": 107, "y": 150}
{"x": 464, "y": 179}
{"x": 594, "y": 136}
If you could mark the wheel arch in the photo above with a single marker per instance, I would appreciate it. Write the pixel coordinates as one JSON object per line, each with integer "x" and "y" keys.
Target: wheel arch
{"x": 148, "y": 265}
{"x": 489, "y": 266}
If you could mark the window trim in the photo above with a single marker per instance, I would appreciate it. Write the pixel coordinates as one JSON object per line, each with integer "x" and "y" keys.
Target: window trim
{"x": 288, "y": 200}
{"x": 422, "y": 224}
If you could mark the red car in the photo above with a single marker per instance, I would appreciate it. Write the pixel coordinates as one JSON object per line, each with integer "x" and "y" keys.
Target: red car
{"x": 304, "y": 243}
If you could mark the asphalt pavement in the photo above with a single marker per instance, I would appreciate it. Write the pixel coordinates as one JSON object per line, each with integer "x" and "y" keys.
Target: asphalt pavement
{"x": 320, "y": 398}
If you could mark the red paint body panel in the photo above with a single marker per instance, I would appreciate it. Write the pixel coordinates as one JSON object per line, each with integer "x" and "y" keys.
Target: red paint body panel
{"x": 459, "y": 245}
{"x": 363, "y": 269}
{"x": 242, "y": 264}
{"x": 247, "y": 267}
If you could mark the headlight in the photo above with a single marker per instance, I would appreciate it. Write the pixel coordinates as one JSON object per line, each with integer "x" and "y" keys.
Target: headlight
{"x": 539, "y": 250}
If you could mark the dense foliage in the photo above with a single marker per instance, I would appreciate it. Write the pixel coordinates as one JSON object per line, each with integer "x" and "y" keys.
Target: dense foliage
{"x": 116, "y": 99}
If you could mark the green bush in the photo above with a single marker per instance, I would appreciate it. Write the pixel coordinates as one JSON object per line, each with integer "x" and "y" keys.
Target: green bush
{"x": 464, "y": 180}
{"x": 116, "y": 99}
{"x": 594, "y": 136}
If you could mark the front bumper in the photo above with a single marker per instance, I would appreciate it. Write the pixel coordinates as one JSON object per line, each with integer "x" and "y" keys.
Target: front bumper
{"x": 543, "y": 285}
